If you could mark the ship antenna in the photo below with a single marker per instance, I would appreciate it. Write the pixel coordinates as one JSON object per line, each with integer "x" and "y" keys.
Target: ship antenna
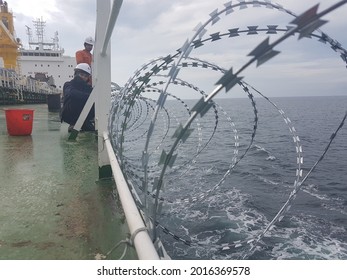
{"x": 30, "y": 34}
{"x": 56, "y": 41}
{"x": 40, "y": 28}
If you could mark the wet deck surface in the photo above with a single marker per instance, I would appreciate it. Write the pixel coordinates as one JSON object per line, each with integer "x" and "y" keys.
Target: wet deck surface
{"x": 52, "y": 205}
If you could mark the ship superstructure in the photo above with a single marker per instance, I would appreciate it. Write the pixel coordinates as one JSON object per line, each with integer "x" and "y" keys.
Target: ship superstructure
{"x": 45, "y": 59}
{"x": 41, "y": 68}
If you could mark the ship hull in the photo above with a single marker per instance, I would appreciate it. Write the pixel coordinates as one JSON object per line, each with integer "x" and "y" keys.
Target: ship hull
{"x": 10, "y": 96}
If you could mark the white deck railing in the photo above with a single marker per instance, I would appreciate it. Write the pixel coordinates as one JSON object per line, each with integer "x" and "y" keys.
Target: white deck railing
{"x": 141, "y": 239}
{"x": 139, "y": 235}
{"x": 101, "y": 97}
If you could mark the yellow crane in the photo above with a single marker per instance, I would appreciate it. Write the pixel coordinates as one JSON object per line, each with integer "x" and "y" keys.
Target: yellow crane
{"x": 8, "y": 43}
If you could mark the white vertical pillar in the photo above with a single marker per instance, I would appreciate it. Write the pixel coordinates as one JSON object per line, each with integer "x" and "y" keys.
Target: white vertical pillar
{"x": 101, "y": 94}
{"x": 102, "y": 82}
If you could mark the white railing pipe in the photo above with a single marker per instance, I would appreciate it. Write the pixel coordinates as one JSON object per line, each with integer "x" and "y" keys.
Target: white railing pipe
{"x": 111, "y": 23}
{"x": 142, "y": 242}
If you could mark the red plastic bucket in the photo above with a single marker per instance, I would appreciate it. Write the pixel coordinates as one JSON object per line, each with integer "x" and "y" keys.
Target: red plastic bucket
{"x": 19, "y": 121}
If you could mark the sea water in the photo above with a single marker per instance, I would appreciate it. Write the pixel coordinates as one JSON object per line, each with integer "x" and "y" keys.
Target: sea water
{"x": 236, "y": 170}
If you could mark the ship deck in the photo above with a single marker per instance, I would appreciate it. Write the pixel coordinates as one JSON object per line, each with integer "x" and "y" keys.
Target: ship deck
{"x": 52, "y": 205}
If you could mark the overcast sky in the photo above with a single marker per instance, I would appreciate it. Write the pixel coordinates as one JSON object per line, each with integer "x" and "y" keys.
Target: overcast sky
{"x": 147, "y": 29}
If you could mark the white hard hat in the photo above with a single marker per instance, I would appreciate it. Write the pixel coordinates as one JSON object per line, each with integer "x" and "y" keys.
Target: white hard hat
{"x": 84, "y": 67}
{"x": 89, "y": 40}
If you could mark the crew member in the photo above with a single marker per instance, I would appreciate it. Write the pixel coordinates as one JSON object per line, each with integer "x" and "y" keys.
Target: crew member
{"x": 75, "y": 95}
{"x": 85, "y": 55}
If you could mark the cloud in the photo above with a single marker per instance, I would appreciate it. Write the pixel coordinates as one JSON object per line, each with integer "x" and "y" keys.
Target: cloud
{"x": 171, "y": 27}
{"x": 147, "y": 29}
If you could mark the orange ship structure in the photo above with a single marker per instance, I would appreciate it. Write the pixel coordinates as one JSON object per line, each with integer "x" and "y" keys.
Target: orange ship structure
{"x": 8, "y": 43}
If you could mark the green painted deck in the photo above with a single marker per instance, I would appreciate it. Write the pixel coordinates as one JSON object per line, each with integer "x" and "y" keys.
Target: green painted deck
{"x": 52, "y": 205}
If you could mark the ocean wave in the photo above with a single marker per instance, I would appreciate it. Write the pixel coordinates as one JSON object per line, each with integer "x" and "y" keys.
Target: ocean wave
{"x": 271, "y": 158}
{"x": 308, "y": 239}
